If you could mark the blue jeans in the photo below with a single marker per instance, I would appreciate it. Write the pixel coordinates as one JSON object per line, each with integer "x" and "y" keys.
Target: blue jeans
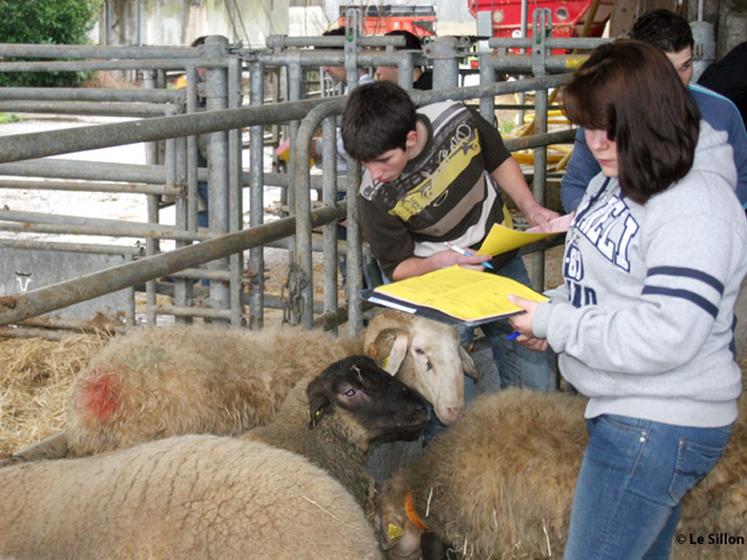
{"x": 517, "y": 366}
{"x": 631, "y": 483}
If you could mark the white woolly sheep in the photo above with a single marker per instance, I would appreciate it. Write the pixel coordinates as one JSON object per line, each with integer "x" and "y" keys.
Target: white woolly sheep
{"x": 184, "y": 497}
{"x": 500, "y": 482}
{"x": 205, "y": 496}
{"x": 160, "y": 382}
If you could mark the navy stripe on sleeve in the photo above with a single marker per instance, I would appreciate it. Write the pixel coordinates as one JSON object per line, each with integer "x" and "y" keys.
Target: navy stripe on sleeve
{"x": 693, "y": 273}
{"x": 687, "y": 295}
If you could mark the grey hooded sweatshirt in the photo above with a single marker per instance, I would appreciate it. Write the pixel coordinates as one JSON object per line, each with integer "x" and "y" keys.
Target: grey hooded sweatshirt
{"x": 643, "y": 323}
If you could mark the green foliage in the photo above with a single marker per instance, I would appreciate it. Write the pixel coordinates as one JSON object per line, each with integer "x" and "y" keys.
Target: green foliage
{"x": 9, "y": 118}
{"x": 45, "y": 22}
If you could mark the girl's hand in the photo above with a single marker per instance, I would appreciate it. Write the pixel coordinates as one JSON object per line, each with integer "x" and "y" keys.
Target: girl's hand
{"x": 523, "y": 321}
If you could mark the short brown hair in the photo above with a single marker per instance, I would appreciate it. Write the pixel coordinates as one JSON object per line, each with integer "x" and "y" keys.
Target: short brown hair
{"x": 631, "y": 90}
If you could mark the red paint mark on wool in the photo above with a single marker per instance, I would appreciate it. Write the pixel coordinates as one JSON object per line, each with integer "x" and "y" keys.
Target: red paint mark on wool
{"x": 99, "y": 398}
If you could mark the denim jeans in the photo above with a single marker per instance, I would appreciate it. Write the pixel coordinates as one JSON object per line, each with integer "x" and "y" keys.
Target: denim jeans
{"x": 517, "y": 366}
{"x": 631, "y": 483}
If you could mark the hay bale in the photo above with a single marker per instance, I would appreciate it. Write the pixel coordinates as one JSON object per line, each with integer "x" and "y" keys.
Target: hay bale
{"x": 35, "y": 379}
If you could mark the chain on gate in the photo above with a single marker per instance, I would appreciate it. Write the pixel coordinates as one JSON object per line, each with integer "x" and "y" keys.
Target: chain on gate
{"x": 291, "y": 294}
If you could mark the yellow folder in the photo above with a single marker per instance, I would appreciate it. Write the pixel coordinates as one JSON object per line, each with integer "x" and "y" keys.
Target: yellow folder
{"x": 454, "y": 294}
{"x": 501, "y": 239}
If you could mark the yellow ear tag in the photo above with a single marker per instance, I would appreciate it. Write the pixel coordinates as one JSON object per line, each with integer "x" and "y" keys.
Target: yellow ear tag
{"x": 384, "y": 363}
{"x": 394, "y": 532}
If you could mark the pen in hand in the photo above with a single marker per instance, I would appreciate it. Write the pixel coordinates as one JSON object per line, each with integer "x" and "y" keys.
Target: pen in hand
{"x": 467, "y": 253}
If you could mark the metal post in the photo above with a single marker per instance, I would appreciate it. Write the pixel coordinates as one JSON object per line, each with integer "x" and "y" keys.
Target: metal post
{"x": 353, "y": 29}
{"x": 151, "y": 248}
{"x": 487, "y": 76}
{"x": 216, "y": 83}
{"x": 151, "y": 148}
{"x": 405, "y": 68}
{"x": 256, "y": 193}
{"x": 443, "y": 51}
{"x": 192, "y": 158}
{"x": 182, "y": 288}
{"x": 235, "y": 180}
{"x": 542, "y": 28}
{"x": 329, "y": 195}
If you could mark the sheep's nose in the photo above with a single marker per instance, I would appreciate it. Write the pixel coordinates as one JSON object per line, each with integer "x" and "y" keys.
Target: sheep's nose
{"x": 452, "y": 414}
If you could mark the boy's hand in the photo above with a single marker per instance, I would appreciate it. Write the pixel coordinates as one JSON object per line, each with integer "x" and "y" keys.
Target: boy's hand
{"x": 539, "y": 216}
{"x": 445, "y": 258}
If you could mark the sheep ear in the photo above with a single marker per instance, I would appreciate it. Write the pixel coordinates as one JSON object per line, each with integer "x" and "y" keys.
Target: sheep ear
{"x": 318, "y": 394}
{"x": 396, "y": 355}
{"x": 317, "y": 407}
{"x": 389, "y": 349}
{"x": 468, "y": 365}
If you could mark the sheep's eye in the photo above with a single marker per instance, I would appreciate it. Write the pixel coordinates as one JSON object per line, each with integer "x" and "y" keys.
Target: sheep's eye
{"x": 419, "y": 351}
{"x": 350, "y": 392}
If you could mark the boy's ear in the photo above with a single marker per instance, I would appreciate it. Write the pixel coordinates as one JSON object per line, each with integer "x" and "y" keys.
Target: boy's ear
{"x": 412, "y": 139}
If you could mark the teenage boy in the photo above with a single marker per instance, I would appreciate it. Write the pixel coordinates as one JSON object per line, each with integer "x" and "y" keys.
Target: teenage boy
{"x": 672, "y": 34}
{"x": 433, "y": 176}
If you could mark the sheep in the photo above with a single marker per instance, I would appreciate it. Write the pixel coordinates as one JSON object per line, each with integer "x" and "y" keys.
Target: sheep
{"x": 367, "y": 408}
{"x": 500, "y": 482}
{"x": 159, "y": 382}
{"x": 217, "y": 497}
{"x": 198, "y": 496}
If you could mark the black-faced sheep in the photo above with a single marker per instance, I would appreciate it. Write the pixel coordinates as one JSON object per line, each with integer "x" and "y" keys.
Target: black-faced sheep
{"x": 159, "y": 382}
{"x": 500, "y": 482}
{"x": 212, "y": 497}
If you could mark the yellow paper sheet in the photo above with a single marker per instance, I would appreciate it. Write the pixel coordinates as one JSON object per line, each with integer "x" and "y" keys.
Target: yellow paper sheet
{"x": 501, "y": 239}
{"x": 468, "y": 295}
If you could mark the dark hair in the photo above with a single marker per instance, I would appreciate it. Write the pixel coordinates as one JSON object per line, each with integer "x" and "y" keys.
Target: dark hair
{"x": 412, "y": 41}
{"x": 631, "y": 90}
{"x": 376, "y": 119}
{"x": 336, "y": 32}
{"x": 663, "y": 29}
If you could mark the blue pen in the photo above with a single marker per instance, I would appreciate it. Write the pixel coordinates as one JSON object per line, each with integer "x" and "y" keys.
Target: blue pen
{"x": 513, "y": 336}
{"x": 467, "y": 253}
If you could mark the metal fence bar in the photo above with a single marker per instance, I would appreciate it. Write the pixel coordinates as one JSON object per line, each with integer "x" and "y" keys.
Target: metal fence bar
{"x": 303, "y": 208}
{"x": 101, "y": 108}
{"x": 19, "y": 50}
{"x": 37, "y": 245}
{"x": 91, "y": 94}
{"x": 87, "y": 66}
{"x": 88, "y": 186}
{"x": 325, "y": 41}
{"x": 121, "y": 227}
{"x": 17, "y": 307}
{"x": 55, "y": 142}
{"x": 86, "y": 170}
